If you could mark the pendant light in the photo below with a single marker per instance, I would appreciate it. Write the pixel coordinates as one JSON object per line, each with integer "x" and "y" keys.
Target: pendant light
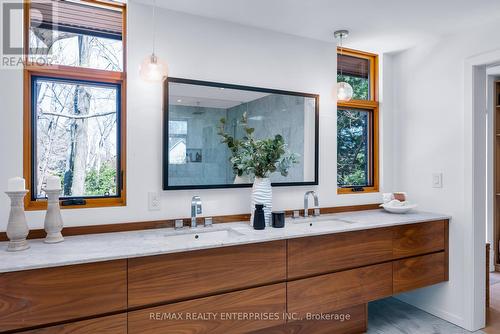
{"x": 344, "y": 90}
{"x": 152, "y": 68}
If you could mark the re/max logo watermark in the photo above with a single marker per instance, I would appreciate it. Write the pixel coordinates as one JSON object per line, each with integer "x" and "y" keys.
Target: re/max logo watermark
{"x": 15, "y": 50}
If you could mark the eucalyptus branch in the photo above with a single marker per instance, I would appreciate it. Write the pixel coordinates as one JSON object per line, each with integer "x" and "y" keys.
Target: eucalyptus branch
{"x": 257, "y": 157}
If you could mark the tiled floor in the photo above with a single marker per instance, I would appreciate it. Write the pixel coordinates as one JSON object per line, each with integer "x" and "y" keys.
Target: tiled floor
{"x": 391, "y": 316}
{"x": 493, "y": 322}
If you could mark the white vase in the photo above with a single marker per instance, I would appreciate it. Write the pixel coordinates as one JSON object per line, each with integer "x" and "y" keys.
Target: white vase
{"x": 244, "y": 179}
{"x": 262, "y": 193}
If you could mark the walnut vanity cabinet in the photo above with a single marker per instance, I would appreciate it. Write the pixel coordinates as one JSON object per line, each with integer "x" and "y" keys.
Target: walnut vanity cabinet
{"x": 188, "y": 275}
{"x": 416, "y": 239}
{"x": 270, "y": 299}
{"x": 330, "y": 274}
{"x": 327, "y": 293}
{"x": 44, "y": 296}
{"x": 113, "y": 324}
{"x": 417, "y": 272}
{"x": 332, "y": 252}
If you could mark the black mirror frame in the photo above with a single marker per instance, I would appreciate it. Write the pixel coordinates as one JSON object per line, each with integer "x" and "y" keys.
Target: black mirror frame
{"x": 165, "y": 157}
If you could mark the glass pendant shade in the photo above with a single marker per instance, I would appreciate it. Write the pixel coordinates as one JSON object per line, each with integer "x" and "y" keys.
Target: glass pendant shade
{"x": 153, "y": 69}
{"x": 344, "y": 91}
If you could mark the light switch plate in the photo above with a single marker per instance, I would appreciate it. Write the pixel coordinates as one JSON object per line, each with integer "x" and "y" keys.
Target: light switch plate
{"x": 437, "y": 180}
{"x": 154, "y": 203}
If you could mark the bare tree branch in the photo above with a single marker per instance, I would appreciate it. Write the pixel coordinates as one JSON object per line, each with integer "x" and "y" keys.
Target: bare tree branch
{"x": 48, "y": 113}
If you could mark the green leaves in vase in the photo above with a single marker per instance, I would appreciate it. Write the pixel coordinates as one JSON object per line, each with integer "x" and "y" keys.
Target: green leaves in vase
{"x": 258, "y": 157}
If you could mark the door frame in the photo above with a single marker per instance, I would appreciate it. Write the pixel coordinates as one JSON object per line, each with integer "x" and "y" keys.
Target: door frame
{"x": 475, "y": 155}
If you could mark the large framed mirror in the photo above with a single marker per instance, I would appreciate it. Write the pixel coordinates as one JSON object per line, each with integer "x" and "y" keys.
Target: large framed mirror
{"x": 194, "y": 156}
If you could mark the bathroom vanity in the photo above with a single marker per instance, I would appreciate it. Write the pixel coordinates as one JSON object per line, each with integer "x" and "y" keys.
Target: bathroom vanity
{"x": 227, "y": 278}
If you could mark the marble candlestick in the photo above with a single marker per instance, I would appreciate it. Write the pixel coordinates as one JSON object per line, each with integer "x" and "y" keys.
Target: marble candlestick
{"x": 53, "y": 223}
{"x": 17, "y": 227}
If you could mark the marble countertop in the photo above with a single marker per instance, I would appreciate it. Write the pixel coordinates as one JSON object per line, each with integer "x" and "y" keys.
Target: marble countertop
{"x": 120, "y": 245}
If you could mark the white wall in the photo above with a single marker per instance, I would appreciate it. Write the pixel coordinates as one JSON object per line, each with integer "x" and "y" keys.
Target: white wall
{"x": 429, "y": 128}
{"x": 204, "y": 49}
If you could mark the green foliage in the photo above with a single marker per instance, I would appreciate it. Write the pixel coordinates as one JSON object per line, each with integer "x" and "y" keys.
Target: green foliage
{"x": 259, "y": 157}
{"x": 352, "y": 147}
{"x": 360, "y": 86}
{"x": 102, "y": 182}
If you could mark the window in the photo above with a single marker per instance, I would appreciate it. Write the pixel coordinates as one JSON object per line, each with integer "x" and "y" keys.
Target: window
{"x": 357, "y": 124}
{"x": 356, "y": 72}
{"x": 75, "y": 101}
{"x": 177, "y": 137}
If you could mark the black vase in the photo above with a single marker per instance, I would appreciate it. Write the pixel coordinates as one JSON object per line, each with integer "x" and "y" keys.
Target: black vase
{"x": 259, "y": 222}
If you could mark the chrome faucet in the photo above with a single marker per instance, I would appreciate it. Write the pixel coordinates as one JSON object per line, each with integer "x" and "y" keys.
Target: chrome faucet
{"x": 195, "y": 209}
{"x": 306, "y": 204}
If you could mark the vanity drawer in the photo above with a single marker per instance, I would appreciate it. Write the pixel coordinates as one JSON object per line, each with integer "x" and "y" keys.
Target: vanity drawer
{"x": 222, "y": 313}
{"x": 327, "y": 253}
{"x": 420, "y": 271}
{"x": 336, "y": 291}
{"x": 417, "y": 239}
{"x": 357, "y": 323}
{"x": 115, "y": 324}
{"x": 173, "y": 277}
{"x": 42, "y": 296}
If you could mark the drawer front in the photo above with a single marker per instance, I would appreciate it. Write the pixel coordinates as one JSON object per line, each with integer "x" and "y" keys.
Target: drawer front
{"x": 336, "y": 291}
{"x": 355, "y": 323}
{"x": 327, "y": 253}
{"x": 417, "y": 239}
{"x": 420, "y": 271}
{"x": 42, "y": 296}
{"x": 115, "y": 324}
{"x": 193, "y": 274}
{"x": 221, "y": 313}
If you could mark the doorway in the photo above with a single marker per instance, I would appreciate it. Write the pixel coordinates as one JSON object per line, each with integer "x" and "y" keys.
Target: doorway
{"x": 475, "y": 184}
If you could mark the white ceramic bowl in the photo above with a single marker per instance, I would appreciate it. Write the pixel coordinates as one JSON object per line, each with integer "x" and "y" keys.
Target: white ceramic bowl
{"x": 398, "y": 209}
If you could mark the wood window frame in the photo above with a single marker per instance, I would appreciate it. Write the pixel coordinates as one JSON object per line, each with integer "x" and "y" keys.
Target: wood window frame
{"x": 73, "y": 73}
{"x": 371, "y": 105}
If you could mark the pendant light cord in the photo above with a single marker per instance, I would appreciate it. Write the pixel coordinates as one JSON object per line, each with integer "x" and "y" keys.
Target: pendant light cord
{"x": 341, "y": 54}
{"x": 154, "y": 25}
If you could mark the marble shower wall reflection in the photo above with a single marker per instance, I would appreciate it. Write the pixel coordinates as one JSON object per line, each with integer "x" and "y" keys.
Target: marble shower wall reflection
{"x": 271, "y": 115}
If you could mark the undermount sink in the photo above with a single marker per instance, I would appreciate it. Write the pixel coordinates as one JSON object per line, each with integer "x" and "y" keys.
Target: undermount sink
{"x": 203, "y": 235}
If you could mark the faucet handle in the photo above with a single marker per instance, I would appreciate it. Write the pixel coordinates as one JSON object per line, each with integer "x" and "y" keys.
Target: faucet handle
{"x": 179, "y": 223}
{"x": 208, "y": 221}
{"x": 296, "y": 214}
{"x": 316, "y": 212}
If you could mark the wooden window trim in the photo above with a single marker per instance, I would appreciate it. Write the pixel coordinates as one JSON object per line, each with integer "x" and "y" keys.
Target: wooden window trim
{"x": 76, "y": 73}
{"x": 372, "y": 105}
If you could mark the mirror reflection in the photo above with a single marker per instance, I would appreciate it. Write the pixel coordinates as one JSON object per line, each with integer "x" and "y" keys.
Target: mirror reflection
{"x": 195, "y": 155}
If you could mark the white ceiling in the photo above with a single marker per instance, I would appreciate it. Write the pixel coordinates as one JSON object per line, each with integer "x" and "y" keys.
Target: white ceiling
{"x": 375, "y": 25}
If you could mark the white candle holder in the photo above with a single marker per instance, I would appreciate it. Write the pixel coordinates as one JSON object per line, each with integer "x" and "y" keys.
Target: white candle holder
{"x": 17, "y": 227}
{"x": 53, "y": 221}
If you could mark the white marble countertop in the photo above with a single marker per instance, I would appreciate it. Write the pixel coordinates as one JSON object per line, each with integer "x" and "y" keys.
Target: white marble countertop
{"x": 120, "y": 245}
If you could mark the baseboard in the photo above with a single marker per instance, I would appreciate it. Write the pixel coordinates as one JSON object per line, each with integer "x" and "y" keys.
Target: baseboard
{"x": 440, "y": 313}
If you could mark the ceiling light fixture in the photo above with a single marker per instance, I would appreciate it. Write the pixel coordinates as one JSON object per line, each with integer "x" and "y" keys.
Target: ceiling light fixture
{"x": 344, "y": 90}
{"x": 153, "y": 69}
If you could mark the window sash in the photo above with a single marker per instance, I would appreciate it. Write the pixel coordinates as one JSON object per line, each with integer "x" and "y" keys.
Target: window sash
{"x": 34, "y": 137}
{"x": 372, "y": 71}
{"x": 369, "y": 149}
